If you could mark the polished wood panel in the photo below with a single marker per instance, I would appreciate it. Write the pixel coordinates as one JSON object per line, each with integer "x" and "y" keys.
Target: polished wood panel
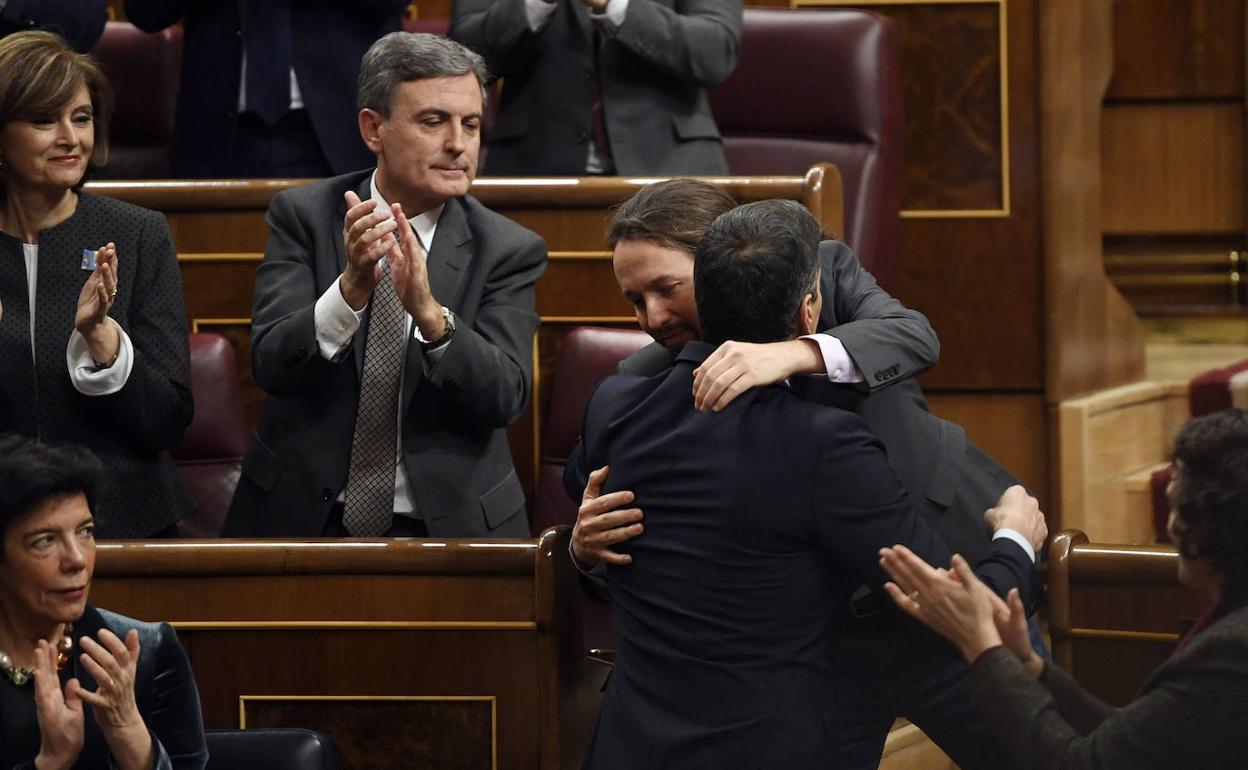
{"x": 338, "y": 635}
{"x": 1093, "y": 339}
{"x": 1173, "y": 168}
{"x": 1178, "y": 49}
{"x": 1115, "y": 612}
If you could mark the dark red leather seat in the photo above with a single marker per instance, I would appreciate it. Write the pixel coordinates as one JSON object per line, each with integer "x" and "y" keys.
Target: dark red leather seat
{"x": 822, "y": 85}
{"x": 143, "y": 69}
{"x": 209, "y": 457}
{"x": 588, "y": 355}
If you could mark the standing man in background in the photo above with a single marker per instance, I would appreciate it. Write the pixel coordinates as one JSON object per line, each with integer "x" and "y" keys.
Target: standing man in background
{"x": 268, "y": 86}
{"x": 393, "y": 326}
{"x": 603, "y": 86}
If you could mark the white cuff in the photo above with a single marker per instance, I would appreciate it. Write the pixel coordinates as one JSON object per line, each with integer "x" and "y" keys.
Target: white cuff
{"x": 82, "y": 372}
{"x": 433, "y": 354}
{"x": 1017, "y": 537}
{"x": 538, "y": 13}
{"x": 836, "y": 359}
{"x": 336, "y": 323}
{"x": 613, "y": 16}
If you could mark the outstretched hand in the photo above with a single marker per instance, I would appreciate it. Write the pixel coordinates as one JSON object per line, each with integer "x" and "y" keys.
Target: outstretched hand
{"x": 602, "y": 521}
{"x": 957, "y": 606}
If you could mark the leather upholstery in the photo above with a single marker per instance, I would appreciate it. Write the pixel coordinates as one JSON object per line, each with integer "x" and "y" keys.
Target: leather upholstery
{"x": 818, "y": 85}
{"x": 143, "y": 70}
{"x": 209, "y": 457}
{"x": 588, "y": 355}
{"x": 271, "y": 749}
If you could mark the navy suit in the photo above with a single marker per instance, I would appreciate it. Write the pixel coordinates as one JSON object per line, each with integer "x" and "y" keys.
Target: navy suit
{"x": 328, "y": 39}
{"x": 761, "y": 520}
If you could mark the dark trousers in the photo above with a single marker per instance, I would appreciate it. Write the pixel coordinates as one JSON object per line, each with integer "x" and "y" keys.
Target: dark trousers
{"x": 289, "y": 149}
{"x": 400, "y": 526}
{"x": 889, "y": 666}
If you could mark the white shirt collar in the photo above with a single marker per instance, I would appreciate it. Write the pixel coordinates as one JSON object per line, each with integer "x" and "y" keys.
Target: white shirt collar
{"x": 424, "y": 223}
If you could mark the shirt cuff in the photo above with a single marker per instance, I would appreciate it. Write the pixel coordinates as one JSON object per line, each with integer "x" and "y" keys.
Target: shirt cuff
{"x": 433, "y": 354}
{"x": 1017, "y": 537}
{"x": 83, "y": 374}
{"x": 836, "y": 359}
{"x": 538, "y": 13}
{"x": 336, "y": 323}
{"x": 613, "y": 16}
{"x": 598, "y": 572}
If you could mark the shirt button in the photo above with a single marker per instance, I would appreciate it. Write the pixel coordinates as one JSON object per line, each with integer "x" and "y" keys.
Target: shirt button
{"x": 838, "y": 374}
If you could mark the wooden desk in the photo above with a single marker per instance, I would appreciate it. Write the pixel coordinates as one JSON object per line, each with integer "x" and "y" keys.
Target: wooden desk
{"x": 1115, "y": 611}
{"x": 411, "y": 653}
{"x": 218, "y": 227}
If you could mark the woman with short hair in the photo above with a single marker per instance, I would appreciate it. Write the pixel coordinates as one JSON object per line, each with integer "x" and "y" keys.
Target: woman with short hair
{"x": 93, "y": 345}
{"x": 79, "y": 687}
{"x": 1190, "y": 712}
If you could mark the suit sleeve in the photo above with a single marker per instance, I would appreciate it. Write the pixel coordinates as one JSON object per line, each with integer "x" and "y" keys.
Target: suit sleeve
{"x": 80, "y": 22}
{"x": 699, "y": 41}
{"x": 860, "y": 506}
{"x": 1185, "y": 714}
{"x": 499, "y": 31}
{"x": 154, "y": 407}
{"x": 175, "y": 721}
{"x": 888, "y": 341}
{"x": 155, "y": 15}
{"x": 284, "y": 354}
{"x": 487, "y": 369}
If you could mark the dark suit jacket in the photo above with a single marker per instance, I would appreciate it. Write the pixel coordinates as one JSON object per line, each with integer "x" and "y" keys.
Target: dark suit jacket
{"x": 483, "y": 267}
{"x": 80, "y": 22}
{"x": 761, "y": 520}
{"x": 1190, "y": 712}
{"x": 131, "y": 429}
{"x": 949, "y": 479}
{"x": 164, "y": 690}
{"x": 328, "y": 38}
{"x": 655, "y": 70}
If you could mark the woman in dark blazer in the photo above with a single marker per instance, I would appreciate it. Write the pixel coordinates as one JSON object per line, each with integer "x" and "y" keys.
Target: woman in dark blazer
{"x": 79, "y": 687}
{"x": 93, "y": 345}
{"x": 1190, "y": 711}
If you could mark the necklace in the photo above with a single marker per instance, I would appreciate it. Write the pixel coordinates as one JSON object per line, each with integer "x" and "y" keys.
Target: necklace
{"x": 20, "y": 676}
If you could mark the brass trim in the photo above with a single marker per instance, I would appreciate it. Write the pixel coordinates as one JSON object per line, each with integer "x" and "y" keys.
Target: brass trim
{"x": 196, "y": 323}
{"x": 354, "y": 625}
{"x": 579, "y": 256}
{"x": 491, "y": 699}
{"x": 1004, "y": 212}
{"x": 206, "y": 256}
{"x": 1131, "y": 636}
{"x": 535, "y": 402}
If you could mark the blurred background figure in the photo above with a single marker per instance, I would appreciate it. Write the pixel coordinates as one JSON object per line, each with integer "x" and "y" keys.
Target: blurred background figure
{"x": 1183, "y": 715}
{"x": 80, "y": 22}
{"x": 268, "y": 86}
{"x": 603, "y": 86}
{"x": 80, "y": 687}
{"x": 93, "y": 345}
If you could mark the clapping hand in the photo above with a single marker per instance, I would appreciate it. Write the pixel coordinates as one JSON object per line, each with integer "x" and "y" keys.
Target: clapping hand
{"x": 60, "y": 714}
{"x": 113, "y": 663}
{"x": 367, "y": 237}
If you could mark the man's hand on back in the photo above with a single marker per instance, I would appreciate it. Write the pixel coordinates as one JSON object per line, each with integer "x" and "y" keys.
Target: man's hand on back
{"x": 601, "y": 522}
{"x": 1020, "y": 512}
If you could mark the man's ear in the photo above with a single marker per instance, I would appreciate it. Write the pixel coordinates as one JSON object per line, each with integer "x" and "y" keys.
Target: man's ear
{"x": 807, "y": 316}
{"x": 370, "y": 129}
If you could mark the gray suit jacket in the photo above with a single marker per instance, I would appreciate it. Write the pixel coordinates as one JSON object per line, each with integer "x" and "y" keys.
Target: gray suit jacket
{"x": 950, "y": 479}
{"x": 655, "y": 70}
{"x": 1190, "y": 712}
{"x": 453, "y": 438}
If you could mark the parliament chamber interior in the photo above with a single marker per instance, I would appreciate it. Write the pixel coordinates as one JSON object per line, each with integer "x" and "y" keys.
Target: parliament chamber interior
{"x": 1056, "y": 185}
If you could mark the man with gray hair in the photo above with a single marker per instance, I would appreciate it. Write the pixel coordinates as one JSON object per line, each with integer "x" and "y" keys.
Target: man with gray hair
{"x": 393, "y": 326}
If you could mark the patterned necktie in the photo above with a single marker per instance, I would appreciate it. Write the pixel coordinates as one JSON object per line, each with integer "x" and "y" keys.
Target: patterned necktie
{"x": 369, "y": 503}
{"x": 266, "y": 40}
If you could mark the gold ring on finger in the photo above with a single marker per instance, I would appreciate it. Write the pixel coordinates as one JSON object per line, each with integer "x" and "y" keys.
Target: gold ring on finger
{"x": 914, "y": 596}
